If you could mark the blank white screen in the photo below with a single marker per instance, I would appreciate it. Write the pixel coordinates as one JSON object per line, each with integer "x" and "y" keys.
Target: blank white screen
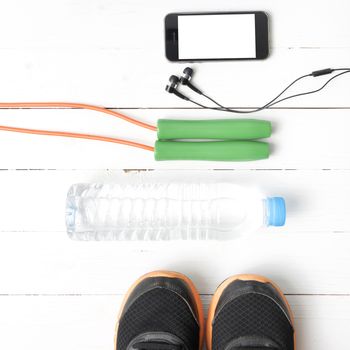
{"x": 216, "y": 36}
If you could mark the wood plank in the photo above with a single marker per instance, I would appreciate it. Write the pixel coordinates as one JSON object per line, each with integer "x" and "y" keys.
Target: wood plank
{"x": 302, "y": 139}
{"x": 125, "y": 24}
{"x": 74, "y": 322}
{"x": 316, "y": 200}
{"x": 49, "y": 263}
{"x": 126, "y": 77}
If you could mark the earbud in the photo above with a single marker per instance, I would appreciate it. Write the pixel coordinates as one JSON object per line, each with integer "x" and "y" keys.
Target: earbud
{"x": 173, "y": 83}
{"x": 185, "y": 80}
{"x": 172, "y": 87}
{"x": 186, "y": 75}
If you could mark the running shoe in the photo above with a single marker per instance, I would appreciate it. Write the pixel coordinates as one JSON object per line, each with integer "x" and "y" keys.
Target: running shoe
{"x": 249, "y": 312}
{"x": 161, "y": 311}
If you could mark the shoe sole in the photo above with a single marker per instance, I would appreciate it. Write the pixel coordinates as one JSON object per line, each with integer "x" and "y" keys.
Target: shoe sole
{"x": 169, "y": 274}
{"x": 219, "y": 292}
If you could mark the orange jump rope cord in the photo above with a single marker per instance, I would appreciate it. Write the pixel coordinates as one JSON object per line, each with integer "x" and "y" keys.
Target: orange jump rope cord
{"x": 76, "y": 135}
{"x": 76, "y": 105}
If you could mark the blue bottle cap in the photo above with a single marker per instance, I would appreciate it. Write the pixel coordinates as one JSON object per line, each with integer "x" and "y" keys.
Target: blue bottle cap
{"x": 276, "y": 211}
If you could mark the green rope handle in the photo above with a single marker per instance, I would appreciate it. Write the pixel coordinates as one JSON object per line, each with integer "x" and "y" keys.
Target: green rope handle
{"x": 211, "y": 150}
{"x": 223, "y": 129}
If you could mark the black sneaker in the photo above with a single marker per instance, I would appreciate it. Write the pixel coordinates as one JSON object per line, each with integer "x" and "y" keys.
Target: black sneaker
{"x": 161, "y": 311}
{"x": 249, "y": 312}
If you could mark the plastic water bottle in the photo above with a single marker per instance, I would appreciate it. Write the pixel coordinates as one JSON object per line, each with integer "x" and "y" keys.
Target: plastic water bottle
{"x": 161, "y": 211}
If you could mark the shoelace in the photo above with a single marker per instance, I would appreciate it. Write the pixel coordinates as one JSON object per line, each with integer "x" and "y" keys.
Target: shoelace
{"x": 153, "y": 345}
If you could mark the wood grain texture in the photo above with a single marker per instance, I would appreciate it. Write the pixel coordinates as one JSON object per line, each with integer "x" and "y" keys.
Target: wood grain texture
{"x": 137, "y": 78}
{"x": 80, "y": 322}
{"x": 123, "y": 24}
{"x": 111, "y": 53}
{"x": 49, "y": 263}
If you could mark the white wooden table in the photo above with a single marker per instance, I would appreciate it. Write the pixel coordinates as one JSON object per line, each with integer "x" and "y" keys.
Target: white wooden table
{"x": 58, "y": 294}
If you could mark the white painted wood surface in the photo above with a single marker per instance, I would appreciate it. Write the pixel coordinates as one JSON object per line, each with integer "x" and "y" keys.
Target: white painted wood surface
{"x": 87, "y": 322}
{"x": 59, "y": 294}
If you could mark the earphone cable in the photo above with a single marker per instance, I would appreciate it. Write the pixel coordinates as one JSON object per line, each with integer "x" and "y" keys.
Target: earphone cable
{"x": 266, "y": 105}
{"x": 311, "y": 91}
{"x": 202, "y": 106}
{"x": 273, "y": 101}
{"x": 214, "y": 101}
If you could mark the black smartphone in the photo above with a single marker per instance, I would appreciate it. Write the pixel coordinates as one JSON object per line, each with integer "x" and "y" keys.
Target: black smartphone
{"x": 216, "y": 36}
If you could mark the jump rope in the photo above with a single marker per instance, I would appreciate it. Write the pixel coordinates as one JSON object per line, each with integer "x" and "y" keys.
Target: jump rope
{"x": 218, "y": 140}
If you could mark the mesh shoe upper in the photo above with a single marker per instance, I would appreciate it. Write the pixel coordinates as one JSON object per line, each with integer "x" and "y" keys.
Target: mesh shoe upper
{"x": 159, "y": 307}
{"x": 251, "y": 318}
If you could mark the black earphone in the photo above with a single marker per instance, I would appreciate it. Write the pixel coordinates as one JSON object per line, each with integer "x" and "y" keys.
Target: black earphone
{"x": 187, "y": 74}
{"x": 172, "y": 87}
{"x": 185, "y": 80}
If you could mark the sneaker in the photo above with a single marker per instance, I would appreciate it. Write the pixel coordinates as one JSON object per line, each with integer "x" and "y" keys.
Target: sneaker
{"x": 249, "y": 312}
{"x": 161, "y": 311}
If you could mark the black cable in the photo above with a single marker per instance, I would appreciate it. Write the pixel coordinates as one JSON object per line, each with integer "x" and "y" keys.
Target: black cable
{"x": 202, "y": 106}
{"x": 309, "y": 92}
{"x": 273, "y": 101}
{"x": 335, "y": 69}
{"x": 212, "y": 100}
{"x": 267, "y": 104}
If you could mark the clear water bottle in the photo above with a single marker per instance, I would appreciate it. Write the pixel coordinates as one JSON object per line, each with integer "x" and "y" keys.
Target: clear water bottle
{"x": 161, "y": 211}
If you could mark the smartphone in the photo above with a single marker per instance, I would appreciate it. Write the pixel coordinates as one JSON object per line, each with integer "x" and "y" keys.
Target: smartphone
{"x": 216, "y": 36}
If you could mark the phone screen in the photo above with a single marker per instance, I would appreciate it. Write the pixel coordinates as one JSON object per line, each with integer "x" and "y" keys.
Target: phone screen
{"x": 216, "y": 36}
